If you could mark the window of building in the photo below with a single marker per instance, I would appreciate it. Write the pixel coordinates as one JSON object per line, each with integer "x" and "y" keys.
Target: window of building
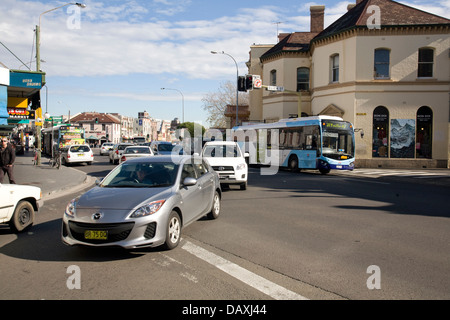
{"x": 380, "y": 132}
{"x": 273, "y": 77}
{"x": 424, "y": 132}
{"x": 302, "y": 79}
{"x": 381, "y": 64}
{"x": 335, "y": 68}
{"x": 426, "y": 61}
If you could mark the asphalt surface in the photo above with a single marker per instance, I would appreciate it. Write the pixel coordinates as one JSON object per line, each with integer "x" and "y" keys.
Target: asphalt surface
{"x": 58, "y": 182}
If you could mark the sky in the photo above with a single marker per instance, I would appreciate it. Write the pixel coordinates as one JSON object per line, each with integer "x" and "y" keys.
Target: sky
{"x": 114, "y": 56}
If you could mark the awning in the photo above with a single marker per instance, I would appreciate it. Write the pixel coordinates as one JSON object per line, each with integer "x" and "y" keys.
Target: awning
{"x": 92, "y": 138}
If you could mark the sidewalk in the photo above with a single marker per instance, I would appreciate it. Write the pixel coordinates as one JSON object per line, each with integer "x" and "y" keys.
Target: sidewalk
{"x": 53, "y": 182}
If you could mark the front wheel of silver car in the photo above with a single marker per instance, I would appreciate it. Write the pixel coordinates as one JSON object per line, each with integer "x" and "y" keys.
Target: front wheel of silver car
{"x": 173, "y": 232}
{"x": 215, "y": 210}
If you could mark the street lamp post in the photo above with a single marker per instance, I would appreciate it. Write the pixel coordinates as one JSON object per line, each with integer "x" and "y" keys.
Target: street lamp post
{"x": 182, "y": 100}
{"x": 237, "y": 77}
{"x": 38, "y": 69}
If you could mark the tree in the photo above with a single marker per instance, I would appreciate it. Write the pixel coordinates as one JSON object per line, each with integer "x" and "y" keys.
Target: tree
{"x": 215, "y": 103}
{"x": 190, "y": 127}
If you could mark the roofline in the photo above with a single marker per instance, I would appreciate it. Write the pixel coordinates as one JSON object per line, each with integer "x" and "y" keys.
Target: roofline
{"x": 388, "y": 26}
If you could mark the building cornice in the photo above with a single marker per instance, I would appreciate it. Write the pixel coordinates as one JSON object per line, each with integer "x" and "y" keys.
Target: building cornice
{"x": 391, "y": 30}
{"x": 391, "y": 84}
{"x": 285, "y": 54}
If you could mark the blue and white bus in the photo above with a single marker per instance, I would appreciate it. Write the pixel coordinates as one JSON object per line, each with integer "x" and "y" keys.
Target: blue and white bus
{"x": 319, "y": 142}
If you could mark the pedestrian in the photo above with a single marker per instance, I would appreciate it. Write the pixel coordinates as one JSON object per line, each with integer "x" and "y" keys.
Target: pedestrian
{"x": 7, "y": 158}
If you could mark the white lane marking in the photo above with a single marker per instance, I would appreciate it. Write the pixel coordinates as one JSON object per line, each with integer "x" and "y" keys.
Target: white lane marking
{"x": 259, "y": 283}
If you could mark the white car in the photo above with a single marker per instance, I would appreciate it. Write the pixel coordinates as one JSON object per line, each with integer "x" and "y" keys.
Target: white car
{"x": 77, "y": 153}
{"x": 18, "y": 204}
{"x": 136, "y": 152}
{"x": 228, "y": 161}
{"x": 116, "y": 153}
{"x": 106, "y": 147}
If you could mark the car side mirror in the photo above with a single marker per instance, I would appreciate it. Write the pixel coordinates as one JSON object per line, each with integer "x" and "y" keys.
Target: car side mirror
{"x": 189, "y": 181}
{"x": 246, "y": 155}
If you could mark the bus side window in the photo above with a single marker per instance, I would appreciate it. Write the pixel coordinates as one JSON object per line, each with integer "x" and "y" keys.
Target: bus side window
{"x": 297, "y": 138}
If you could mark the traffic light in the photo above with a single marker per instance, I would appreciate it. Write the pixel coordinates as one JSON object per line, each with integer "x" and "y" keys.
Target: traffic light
{"x": 249, "y": 82}
{"x": 241, "y": 84}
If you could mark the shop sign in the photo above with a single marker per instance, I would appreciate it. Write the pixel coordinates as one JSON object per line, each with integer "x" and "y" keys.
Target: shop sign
{"x": 25, "y": 80}
{"x": 20, "y": 113}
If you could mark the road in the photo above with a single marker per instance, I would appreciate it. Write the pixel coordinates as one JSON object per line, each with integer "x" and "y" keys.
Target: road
{"x": 288, "y": 236}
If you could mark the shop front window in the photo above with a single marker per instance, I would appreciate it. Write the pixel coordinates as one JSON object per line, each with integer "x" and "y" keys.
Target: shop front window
{"x": 380, "y": 132}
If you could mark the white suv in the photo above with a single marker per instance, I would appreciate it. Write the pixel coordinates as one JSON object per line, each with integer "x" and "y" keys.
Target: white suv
{"x": 228, "y": 161}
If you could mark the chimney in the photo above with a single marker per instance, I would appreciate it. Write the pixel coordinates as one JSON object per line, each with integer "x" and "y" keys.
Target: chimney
{"x": 317, "y": 16}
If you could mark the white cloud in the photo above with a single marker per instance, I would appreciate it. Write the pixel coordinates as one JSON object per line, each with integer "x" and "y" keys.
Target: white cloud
{"x": 117, "y": 38}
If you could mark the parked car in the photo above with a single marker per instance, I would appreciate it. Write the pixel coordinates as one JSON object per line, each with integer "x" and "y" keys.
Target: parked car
{"x": 136, "y": 152}
{"x": 106, "y": 147}
{"x": 77, "y": 153}
{"x": 143, "y": 202}
{"x": 116, "y": 152}
{"x": 18, "y": 204}
{"x": 162, "y": 147}
{"x": 228, "y": 160}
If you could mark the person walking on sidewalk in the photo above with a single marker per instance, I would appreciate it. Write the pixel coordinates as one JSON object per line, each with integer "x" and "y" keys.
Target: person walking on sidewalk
{"x": 7, "y": 158}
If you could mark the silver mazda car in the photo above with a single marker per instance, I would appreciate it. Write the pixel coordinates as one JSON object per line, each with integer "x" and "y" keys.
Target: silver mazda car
{"x": 143, "y": 202}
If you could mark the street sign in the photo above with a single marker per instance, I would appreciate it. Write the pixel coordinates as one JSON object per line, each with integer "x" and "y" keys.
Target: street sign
{"x": 257, "y": 83}
{"x": 275, "y": 88}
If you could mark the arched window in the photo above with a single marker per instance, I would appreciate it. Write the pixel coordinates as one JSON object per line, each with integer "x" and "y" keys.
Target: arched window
{"x": 424, "y": 133}
{"x": 302, "y": 79}
{"x": 273, "y": 77}
{"x": 426, "y": 61}
{"x": 381, "y": 64}
{"x": 380, "y": 132}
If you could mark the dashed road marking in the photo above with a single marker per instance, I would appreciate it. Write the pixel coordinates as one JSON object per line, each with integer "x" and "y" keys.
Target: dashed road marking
{"x": 257, "y": 282}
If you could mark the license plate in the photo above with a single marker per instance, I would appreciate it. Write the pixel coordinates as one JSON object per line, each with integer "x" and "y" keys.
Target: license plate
{"x": 338, "y": 167}
{"x": 81, "y": 154}
{"x": 96, "y": 234}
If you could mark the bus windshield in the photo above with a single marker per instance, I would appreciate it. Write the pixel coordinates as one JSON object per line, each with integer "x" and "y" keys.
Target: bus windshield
{"x": 337, "y": 139}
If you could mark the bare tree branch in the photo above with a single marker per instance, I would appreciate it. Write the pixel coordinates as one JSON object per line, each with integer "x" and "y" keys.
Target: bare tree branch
{"x": 215, "y": 103}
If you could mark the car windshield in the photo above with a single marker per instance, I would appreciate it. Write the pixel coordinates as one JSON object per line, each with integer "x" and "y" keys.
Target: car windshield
{"x": 165, "y": 147}
{"x": 141, "y": 175}
{"x": 222, "y": 151}
{"x": 136, "y": 150}
{"x": 79, "y": 149}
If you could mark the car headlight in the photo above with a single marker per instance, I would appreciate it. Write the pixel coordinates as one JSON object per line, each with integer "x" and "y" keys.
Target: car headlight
{"x": 71, "y": 208}
{"x": 147, "y": 209}
{"x": 240, "y": 166}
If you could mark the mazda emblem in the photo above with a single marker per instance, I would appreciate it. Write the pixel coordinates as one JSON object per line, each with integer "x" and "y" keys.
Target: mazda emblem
{"x": 97, "y": 216}
{"x": 221, "y": 168}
